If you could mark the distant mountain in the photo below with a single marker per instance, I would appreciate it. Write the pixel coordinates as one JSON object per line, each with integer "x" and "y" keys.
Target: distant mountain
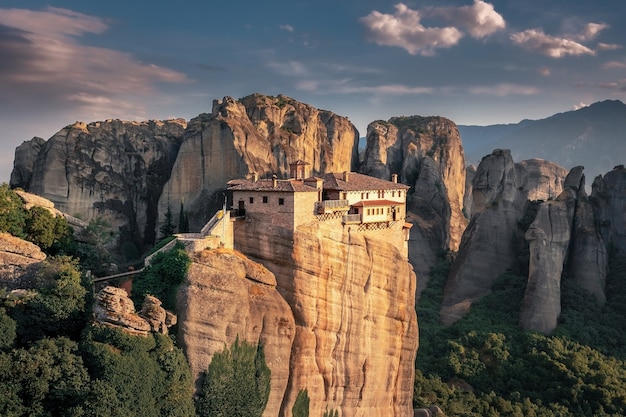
{"x": 594, "y": 136}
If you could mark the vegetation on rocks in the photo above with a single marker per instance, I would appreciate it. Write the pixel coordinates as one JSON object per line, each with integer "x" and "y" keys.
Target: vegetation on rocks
{"x": 485, "y": 365}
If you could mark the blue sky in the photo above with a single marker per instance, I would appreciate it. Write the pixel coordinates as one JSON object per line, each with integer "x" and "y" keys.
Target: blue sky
{"x": 473, "y": 61}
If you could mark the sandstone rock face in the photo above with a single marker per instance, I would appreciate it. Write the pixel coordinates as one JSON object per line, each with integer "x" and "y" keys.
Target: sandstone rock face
{"x": 226, "y": 296}
{"x": 112, "y": 169}
{"x": 18, "y": 261}
{"x": 427, "y": 153}
{"x": 256, "y": 134}
{"x": 24, "y": 162}
{"x": 549, "y": 237}
{"x": 352, "y": 294}
{"x": 113, "y": 307}
{"x": 468, "y": 198}
{"x": 609, "y": 198}
{"x": 500, "y": 191}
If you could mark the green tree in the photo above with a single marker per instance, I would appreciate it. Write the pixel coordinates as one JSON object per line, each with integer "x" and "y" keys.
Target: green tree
{"x": 167, "y": 229}
{"x": 301, "y": 405}
{"x": 183, "y": 220}
{"x": 236, "y": 384}
{"x": 12, "y": 212}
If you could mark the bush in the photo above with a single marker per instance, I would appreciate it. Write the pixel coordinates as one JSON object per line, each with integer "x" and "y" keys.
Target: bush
{"x": 301, "y": 405}
{"x": 236, "y": 384}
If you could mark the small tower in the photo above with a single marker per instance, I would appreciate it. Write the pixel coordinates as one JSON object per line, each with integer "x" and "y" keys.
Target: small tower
{"x": 297, "y": 170}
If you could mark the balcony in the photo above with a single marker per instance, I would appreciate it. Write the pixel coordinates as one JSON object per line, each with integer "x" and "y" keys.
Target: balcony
{"x": 330, "y": 206}
{"x": 351, "y": 219}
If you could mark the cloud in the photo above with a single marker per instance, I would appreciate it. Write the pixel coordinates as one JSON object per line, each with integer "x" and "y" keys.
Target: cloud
{"x": 608, "y": 46}
{"x": 403, "y": 29}
{"x": 615, "y": 65}
{"x": 479, "y": 19}
{"x": 579, "y": 106}
{"x": 590, "y": 31}
{"x": 44, "y": 63}
{"x": 504, "y": 89}
{"x": 288, "y": 28}
{"x": 537, "y": 41}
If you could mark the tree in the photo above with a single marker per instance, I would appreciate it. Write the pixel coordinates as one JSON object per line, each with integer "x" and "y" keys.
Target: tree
{"x": 183, "y": 220}
{"x": 12, "y": 212}
{"x": 301, "y": 405}
{"x": 236, "y": 384}
{"x": 167, "y": 228}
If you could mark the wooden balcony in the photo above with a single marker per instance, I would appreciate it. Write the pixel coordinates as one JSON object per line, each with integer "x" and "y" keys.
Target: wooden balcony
{"x": 330, "y": 206}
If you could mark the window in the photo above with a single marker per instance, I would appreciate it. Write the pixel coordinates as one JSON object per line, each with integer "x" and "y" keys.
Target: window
{"x": 265, "y": 199}
{"x": 251, "y": 200}
{"x": 393, "y": 193}
{"x": 281, "y": 201}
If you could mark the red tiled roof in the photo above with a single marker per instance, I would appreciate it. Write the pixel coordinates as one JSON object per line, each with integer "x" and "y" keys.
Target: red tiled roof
{"x": 376, "y": 203}
{"x": 293, "y": 186}
{"x": 358, "y": 182}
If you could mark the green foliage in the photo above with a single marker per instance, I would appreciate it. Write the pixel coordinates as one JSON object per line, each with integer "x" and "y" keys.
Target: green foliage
{"x": 331, "y": 413}
{"x": 162, "y": 277}
{"x": 47, "y": 379}
{"x": 58, "y": 308}
{"x": 485, "y": 365}
{"x": 183, "y": 219}
{"x": 7, "y": 330}
{"x": 301, "y": 405}
{"x": 167, "y": 228}
{"x": 236, "y": 384}
{"x": 12, "y": 213}
{"x": 140, "y": 376}
{"x": 51, "y": 233}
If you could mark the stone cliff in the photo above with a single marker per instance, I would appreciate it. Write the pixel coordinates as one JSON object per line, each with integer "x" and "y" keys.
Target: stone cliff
{"x": 256, "y": 134}
{"x": 226, "y": 296}
{"x": 500, "y": 192}
{"x": 427, "y": 153}
{"x": 112, "y": 169}
{"x": 352, "y": 295}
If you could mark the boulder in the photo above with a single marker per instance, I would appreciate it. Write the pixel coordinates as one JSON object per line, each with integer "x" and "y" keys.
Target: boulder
{"x": 113, "y": 307}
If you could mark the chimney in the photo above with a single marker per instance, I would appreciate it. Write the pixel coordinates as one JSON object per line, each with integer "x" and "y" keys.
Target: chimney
{"x": 274, "y": 181}
{"x": 255, "y": 176}
{"x": 394, "y": 178}
{"x": 346, "y": 175}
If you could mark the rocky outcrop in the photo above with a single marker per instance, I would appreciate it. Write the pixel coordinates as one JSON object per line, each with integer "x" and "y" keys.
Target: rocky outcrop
{"x": 256, "y": 134}
{"x": 352, "y": 296}
{"x": 609, "y": 199}
{"x": 427, "y": 153}
{"x": 226, "y": 296}
{"x": 500, "y": 192}
{"x": 18, "y": 262}
{"x": 112, "y": 169}
{"x": 113, "y": 307}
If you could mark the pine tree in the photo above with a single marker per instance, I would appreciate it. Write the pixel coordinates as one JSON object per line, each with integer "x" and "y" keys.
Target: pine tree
{"x": 167, "y": 229}
{"x": 183, "y": 220}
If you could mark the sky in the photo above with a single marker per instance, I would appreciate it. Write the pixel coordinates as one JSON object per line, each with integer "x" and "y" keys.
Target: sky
{"x": 475, "y": 62}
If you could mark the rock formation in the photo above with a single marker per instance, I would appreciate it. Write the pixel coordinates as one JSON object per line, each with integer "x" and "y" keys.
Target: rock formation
{"x": 111, "y": 169}
{"x": 500, "y": 191}
{"x": 113, "y": 307}
{"x": 227, "y": 296}
{"x": 427, "y": 153}
{"x": 256, "y": 134}
{"x": 609, "y": 198}
{"x": 352, "y": 295}
{"x": 18, "y": 262}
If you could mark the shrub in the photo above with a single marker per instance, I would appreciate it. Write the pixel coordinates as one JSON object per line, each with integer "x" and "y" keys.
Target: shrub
{"x": 236, "y": 384}
{"x": 301, "y": 405}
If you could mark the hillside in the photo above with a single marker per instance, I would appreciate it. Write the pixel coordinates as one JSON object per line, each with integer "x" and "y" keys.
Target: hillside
{"x": 593, "y": 136}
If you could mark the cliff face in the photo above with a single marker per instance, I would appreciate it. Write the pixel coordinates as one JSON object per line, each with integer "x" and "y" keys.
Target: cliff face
{"x": 609, "y": 197}
{"x": 500, "y": 191}
{"x": 227, "y": 296}
{"x": 352, "y": 294}
{"x": 427, "y": 153}
{"x": 112, "y": 169}
{"x": 256, "y": 134}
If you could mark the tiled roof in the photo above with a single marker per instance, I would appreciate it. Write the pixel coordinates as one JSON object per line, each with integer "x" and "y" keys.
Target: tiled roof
{"x": 293, "y": 186}
{"x": 377, "y": 203}
{"x": 358, "y": 182}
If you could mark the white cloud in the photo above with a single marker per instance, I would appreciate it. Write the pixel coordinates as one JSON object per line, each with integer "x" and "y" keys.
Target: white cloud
{"x": 590, "y": 31}
{"x": 537, "y": 41}
{"x": 608, "y": 46}
{"x": 504, "y": 89}
{"x": 479, "y": 19}
{"x": 288, "y": 28}
{"x": 615, "y": 65}
{"x": 579, "y": 106}
{"x": 404, "y": 30}
{"x": 44, "y": 62}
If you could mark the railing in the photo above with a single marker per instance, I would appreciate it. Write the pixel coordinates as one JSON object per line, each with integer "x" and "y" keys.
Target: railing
{"x": 331, "y": 205}
{"x": 351, "y": 218}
